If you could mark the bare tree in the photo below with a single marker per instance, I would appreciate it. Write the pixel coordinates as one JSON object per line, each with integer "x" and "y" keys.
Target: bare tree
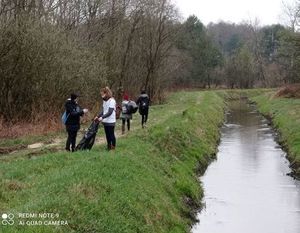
{"x": 291, "y": 14}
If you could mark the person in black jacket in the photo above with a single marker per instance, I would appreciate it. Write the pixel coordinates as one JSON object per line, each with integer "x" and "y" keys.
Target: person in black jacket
{"x": 143, "y": 102}
{"x": 74, "y": 112}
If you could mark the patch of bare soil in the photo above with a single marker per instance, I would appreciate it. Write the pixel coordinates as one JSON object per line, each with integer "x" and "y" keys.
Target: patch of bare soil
{"x": 7, "y": 150}
{"x": 36, "y": 145}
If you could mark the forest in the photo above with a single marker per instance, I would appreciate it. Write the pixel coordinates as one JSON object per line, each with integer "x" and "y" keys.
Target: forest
{"x": 50, "y": 48}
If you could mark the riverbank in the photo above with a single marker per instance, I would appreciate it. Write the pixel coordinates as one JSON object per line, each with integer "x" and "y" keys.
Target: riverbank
{"x": 249, "y": 173}
{"x": 149, "y": 184}
{"x": 285, "y": 116}
{"x": 283, "y": 113}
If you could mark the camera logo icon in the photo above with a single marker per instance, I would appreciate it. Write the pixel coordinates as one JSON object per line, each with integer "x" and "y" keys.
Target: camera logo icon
{"x": 8, "y": 219}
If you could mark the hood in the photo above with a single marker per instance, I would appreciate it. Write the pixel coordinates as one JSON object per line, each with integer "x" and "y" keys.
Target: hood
{"x": 144, "y": 95}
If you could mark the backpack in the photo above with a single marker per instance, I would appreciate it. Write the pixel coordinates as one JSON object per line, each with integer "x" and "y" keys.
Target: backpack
{"x": 144, "y": 103}
{"x": 131, "y": 107}
{"x": 125, "y": 109}
{"x": 64, "y": 117}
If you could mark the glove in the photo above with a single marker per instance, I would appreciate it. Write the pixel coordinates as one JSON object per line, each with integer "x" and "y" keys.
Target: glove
{"x": 85, "y": 110}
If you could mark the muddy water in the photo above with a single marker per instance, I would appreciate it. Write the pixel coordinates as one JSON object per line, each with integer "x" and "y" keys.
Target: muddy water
{"x": 246, "y": 188}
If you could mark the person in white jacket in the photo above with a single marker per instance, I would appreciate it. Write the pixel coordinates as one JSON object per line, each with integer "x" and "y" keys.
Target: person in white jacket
{"x": 108, "y": 117}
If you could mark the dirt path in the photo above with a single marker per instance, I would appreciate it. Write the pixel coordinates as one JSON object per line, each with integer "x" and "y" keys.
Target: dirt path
{"x": 158, "y": 114}
{"x": 54, "y": 145}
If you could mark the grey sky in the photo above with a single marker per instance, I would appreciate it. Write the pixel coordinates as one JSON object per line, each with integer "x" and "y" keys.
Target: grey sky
{"x": 267, "y": 11}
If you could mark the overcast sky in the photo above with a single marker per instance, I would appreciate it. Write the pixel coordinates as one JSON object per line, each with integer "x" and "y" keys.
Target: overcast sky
{"x": 267, "y": 11}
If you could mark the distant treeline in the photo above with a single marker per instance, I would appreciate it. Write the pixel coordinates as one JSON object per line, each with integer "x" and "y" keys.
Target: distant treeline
{"x": 49, "y": 48}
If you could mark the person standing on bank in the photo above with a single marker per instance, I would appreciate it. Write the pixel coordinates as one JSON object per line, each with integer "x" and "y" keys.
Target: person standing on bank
{"x": 143, "y": 102}
{"x": 74, "y": 112}
{"x": 108, "y": 117}
{"x": 125, "y": 115}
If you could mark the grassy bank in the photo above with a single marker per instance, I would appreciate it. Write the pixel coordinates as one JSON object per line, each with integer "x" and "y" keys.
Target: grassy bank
{"x": 149, "y": 184}
{"x": 285, "y": 116}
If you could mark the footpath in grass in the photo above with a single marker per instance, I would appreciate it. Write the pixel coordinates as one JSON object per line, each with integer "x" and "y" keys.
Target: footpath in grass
{"x": 32, "y": 145}
{"x": 149, "y": 184}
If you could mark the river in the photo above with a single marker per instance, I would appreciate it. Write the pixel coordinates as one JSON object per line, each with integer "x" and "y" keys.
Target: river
{"x": 247, "y": 189}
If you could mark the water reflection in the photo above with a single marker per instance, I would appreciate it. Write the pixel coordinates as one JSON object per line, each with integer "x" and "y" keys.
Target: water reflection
{"x": 246, "y": 188}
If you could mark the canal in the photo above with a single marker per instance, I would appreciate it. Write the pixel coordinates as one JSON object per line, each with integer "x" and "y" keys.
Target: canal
{"x": 247, "y": 189}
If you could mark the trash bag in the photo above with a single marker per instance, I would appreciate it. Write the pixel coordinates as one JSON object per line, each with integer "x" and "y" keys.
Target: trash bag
{"x": 118, "y": 111}
{"x": 132, "y": 107}
{"x": 87, "y": 142}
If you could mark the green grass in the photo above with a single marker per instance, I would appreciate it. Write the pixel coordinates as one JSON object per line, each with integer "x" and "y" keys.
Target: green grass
{"x": 285, "y": 115}
{"x": 149, "y": 184}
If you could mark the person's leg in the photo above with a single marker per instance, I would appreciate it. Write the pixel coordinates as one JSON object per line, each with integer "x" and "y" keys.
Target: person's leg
{"x": 143, "y": 118}
{"x": 123, "y": 126}
{"x": 106, "y": 129}
{"x": 73, "y": 139}
{"x": 128, "y": 124}
{"x": 68, "y": 143}
{"x": 146, "y": 116}
{"x": 112, "y": 137}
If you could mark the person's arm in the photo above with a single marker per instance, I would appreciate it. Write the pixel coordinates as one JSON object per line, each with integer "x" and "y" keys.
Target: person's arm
{"x": 110, "y": 111}
{"x": 97, "y": 118}
{"x": 100, "y": 114}
{"x": 70, "y": 111}
{"x": 138, "y": 101}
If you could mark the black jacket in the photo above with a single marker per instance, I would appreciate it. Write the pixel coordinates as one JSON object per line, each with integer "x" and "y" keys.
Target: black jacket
{"x": 143, "y": 101}
{"x": 74, "y": 112}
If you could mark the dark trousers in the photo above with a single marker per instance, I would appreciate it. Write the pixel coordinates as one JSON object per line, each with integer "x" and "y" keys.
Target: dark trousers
{"x": 72, "y": 134}
{"x": 124, "y": 123}
{"x": 144, "y": 114}
{"x": 110, "y": 136}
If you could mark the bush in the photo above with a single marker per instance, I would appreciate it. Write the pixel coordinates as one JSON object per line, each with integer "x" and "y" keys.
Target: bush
{"x": 289, "y": 91}
{"x": 39, "y": 66}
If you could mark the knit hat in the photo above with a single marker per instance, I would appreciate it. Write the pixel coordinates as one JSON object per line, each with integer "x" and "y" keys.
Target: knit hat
{"x": 74, "y": 96}
{"x": 125, "y": 97}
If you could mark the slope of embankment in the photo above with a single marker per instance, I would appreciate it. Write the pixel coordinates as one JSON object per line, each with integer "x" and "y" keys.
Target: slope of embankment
{"x": 149, "y": 184}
